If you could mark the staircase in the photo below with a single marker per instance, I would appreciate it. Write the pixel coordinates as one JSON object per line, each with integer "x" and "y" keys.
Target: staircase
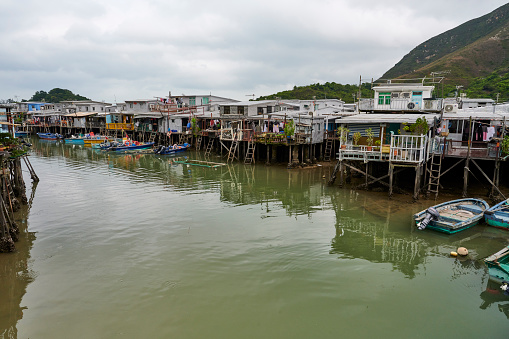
{"x": 328, "y": 150}
{"x": 434, "y": 175}
{"x": 249, "y": 159}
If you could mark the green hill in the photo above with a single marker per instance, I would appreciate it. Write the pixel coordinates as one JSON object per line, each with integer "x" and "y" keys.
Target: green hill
{"x": 56, "y": 95}
{"x": 470, "y": 53}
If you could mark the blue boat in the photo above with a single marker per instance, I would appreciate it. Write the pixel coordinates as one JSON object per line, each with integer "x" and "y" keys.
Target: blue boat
{"x": 498, "y": 265}
{"x": 452, "y": 216}
{"x": 165, "y": 150}
{"x": 127, "y": 146}
{"x": 49, "y": 136}
{"x": 21, "y": 134}
{"x": 498, "y": 215}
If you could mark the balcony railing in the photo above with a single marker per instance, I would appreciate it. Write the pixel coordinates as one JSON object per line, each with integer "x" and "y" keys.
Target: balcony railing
{"x": 409, "y": 148}
{"x": 117, "y": 126}
{"x": 401, "y": 104}
{"x": 455, "y": 148}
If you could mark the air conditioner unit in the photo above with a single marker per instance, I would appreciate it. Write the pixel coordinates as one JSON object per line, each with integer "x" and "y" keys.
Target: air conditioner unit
{"x": 451, "y": 108}
{"x": 428, "y": 104}
{"x": 405, "y": 95}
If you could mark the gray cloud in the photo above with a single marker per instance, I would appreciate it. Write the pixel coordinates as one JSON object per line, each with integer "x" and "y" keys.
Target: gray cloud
{"x": 140, "y": 49}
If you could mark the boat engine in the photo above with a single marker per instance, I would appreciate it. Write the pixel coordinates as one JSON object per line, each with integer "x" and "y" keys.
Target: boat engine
{"x": 431, "y": 214}
{"x": 159, "y": 149}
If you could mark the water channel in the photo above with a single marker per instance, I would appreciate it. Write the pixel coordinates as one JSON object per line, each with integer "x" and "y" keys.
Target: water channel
{"x": 141, "y": 246}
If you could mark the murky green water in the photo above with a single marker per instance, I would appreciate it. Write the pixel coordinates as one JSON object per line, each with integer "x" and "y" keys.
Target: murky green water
{"x": 137, "y": 246}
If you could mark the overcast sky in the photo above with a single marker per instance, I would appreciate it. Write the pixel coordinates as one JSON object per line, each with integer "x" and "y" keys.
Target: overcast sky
{"x": 118, "y": 50}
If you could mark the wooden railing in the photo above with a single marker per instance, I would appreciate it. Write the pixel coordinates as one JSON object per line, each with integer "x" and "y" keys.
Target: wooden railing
{"x": 117, "y": 126}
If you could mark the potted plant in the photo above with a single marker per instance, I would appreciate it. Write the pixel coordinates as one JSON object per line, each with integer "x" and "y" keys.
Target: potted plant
{"x": 356, "y": 138}
{"x": 377, "y": 144}
{"x": 342, "y": 132}
{"x": 369, "y": 138}
{"x": 504, "y": 145}
{"x": 289, "y": 128}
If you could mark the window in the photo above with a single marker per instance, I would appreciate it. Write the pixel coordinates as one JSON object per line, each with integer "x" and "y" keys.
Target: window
{"x": 192, "y": 101}
{"x": 206, "y": 101}
{"x": 269, "y": 109}
{"x": 454, "y": 126}
{"x": 260, "y": 111}
{"x": 384, "y": 98}
{"x": 226, "y": 110}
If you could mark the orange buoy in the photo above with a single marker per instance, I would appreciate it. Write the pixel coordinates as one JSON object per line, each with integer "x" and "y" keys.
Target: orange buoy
{"x": 454, "y": 254}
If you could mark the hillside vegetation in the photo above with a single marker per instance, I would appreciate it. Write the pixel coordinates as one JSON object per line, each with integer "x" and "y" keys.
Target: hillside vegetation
{"x": 474, "y": 55}
{"x": 57, "y": 95}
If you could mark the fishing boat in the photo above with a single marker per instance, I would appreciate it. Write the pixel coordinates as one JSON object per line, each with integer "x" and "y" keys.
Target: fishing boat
{"x": 498, "y": 265}
{"x": 498, "y": 215}
{"x": 49, "y": 136}
{"x": 452, "y": 216}
{"x": 21, "y": 134}
{"x": 165, "y": 150}
{"x": 75, "y": 140}
{"x": 127, "y": 146}
{"x": 94, "y": 139}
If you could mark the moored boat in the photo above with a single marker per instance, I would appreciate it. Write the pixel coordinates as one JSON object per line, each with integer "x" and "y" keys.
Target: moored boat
{"x": 127, "y": 146}
{"x": 89, "y": 141}
{"x": 165, "y": 150}
{"x": 452, "y": 216}
{"x": 498, "y": 265}
{"x": 498, "y": 215}
{"x": 75, "y": 140}
{"x": 49, "y": 136}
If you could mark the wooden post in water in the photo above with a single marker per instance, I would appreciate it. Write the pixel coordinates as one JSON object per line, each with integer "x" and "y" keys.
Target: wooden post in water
{"x": 6, "y": 232}
{"x": 466, "y": 168}
{"x": 341, "y": 174}
{"x": 391, "y": 174}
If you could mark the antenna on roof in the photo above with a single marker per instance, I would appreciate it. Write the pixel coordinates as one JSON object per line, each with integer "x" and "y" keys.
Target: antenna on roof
{"x": 250, "y": 95}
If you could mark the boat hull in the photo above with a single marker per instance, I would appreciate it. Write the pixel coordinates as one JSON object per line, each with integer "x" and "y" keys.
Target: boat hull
{"x": 498, "y": 215}
{"x": 498, "y": 265}
{"x": 173, "y": 149}
{"x": 79, "y": 141}
{"x": 49, "y": 136}
{"x": 455, "y": 216}
{"x": 91, "y": 141}
{"x": 122, "y": 148}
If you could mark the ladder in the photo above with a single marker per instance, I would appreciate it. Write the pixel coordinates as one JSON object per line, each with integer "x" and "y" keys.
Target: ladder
{"x": 334, "y": 173}
{"x": 182, "y": 138}
{"x": 434, "y": 174}
{"x": 152, "y": 137}
{"x": 198, "y": 142}
{"x": 249, "y": 159}
{"x": 328, "y": 150}
{"x": 210, "y": 145}
{"x": 233, "y": 150}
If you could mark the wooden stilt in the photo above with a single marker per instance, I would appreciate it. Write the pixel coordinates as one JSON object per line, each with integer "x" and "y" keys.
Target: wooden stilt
{"x": 416, "y": 185}
{"x": 466, "y": 169}
{"x": 391, "y": 174}
{"x": 341, "y": 174}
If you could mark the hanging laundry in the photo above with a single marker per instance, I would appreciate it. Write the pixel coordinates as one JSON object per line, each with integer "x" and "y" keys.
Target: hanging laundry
{"x": 490, "y": 132}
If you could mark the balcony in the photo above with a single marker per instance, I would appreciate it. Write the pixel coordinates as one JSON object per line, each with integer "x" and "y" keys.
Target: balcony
{"x": 402, "y": 104}
{"x": 120, "y": 126}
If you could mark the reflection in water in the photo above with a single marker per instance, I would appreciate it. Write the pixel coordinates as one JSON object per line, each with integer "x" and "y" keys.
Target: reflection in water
{"x": 493, "y": 295}
{"x": 15, "y": 274}
{"x": 253, "y": 245}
